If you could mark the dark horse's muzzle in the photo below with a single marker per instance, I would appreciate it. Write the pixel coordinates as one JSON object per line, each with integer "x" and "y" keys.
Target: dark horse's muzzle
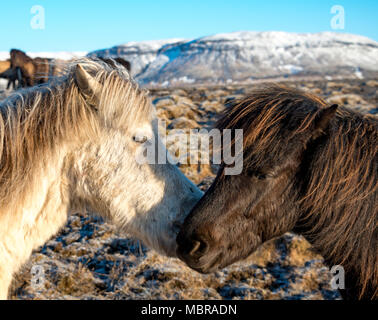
{"x": 195, "y": 252}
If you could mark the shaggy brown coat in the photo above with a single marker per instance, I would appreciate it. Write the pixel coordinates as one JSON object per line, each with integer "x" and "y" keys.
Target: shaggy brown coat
{"x": 308, "y": 168}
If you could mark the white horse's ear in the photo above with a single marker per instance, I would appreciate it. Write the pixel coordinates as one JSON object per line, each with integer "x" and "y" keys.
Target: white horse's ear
{"x": 88, "y": 86}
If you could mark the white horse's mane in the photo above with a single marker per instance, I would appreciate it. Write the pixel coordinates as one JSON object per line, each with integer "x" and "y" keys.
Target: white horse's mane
{"x": 34, "y": 121}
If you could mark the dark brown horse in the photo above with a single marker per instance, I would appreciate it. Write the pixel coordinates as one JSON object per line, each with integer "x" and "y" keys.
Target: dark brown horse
{"x": 34, "y": 71}
{"x": 20, "y": 59}
{"x": 14, "y": 77}
{"x": 308, "y": 168}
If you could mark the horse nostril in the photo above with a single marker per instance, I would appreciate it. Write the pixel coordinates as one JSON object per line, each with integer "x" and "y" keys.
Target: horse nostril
{"x": 198, "y": 247}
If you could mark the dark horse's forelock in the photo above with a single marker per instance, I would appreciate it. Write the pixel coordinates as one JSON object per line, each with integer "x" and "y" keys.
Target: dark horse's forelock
{"x": 262, "y": 116}
{"x": 339, "y": 174}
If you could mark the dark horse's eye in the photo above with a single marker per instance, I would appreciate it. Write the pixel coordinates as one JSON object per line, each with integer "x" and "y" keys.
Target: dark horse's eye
{"x": 258, "y": 175}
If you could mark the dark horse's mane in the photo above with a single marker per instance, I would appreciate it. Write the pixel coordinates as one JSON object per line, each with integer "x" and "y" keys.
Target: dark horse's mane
{"x": 21, "y": 55}
{"x": 20, "y": 52}
{"x": 338, "y": 197}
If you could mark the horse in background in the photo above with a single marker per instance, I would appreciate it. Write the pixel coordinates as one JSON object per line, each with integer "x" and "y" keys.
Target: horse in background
{"x": 42, "y": 70}
{"x": 126, "y": 64}
{"x": 21, "y": 60}
{"x": 73, "y": 144}
{"x": 308, "y": 167}
{"x": 14, "y": 77}
{"x": 33, "y": 71}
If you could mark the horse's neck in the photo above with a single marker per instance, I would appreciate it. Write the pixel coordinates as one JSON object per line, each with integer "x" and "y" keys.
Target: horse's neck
{"x": 34, "y": 218}
{"x": 351, "y": 276}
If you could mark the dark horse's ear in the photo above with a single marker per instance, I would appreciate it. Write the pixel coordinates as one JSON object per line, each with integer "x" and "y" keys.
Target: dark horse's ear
{"x": 323, "y": 118}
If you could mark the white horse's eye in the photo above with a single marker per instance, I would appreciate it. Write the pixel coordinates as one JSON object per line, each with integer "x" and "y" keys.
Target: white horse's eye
{"x": 140, "y": 138}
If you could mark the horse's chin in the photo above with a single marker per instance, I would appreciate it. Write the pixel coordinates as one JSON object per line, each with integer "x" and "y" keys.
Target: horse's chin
{"x": 205, "y": 264}
{"x": 206, "y": 270}
{"x": 165, "y": 248}
{"x": 165, "y": 245}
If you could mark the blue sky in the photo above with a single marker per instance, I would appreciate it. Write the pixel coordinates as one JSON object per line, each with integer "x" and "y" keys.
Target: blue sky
{"x": 89, "y": 25}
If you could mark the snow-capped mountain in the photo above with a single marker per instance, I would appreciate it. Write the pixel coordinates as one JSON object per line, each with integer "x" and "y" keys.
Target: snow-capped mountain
{"x": 140, "y": 54}
{"x": 243, "y": 56}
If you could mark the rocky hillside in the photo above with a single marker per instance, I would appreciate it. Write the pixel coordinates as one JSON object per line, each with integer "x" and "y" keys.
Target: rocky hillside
{"x": 241, "y": 57}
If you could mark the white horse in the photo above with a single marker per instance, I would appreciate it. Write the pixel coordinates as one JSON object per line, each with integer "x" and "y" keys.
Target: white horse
{"x": 71, "y": 144}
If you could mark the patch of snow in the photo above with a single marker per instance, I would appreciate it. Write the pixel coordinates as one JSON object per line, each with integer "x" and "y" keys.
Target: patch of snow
{"x": 358, "y": 73}
{"x": 4, "y": 55}
{"x": 291, "y": 68}
{"x": 185, "y": 79}
{"x": 3, "y": 83}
